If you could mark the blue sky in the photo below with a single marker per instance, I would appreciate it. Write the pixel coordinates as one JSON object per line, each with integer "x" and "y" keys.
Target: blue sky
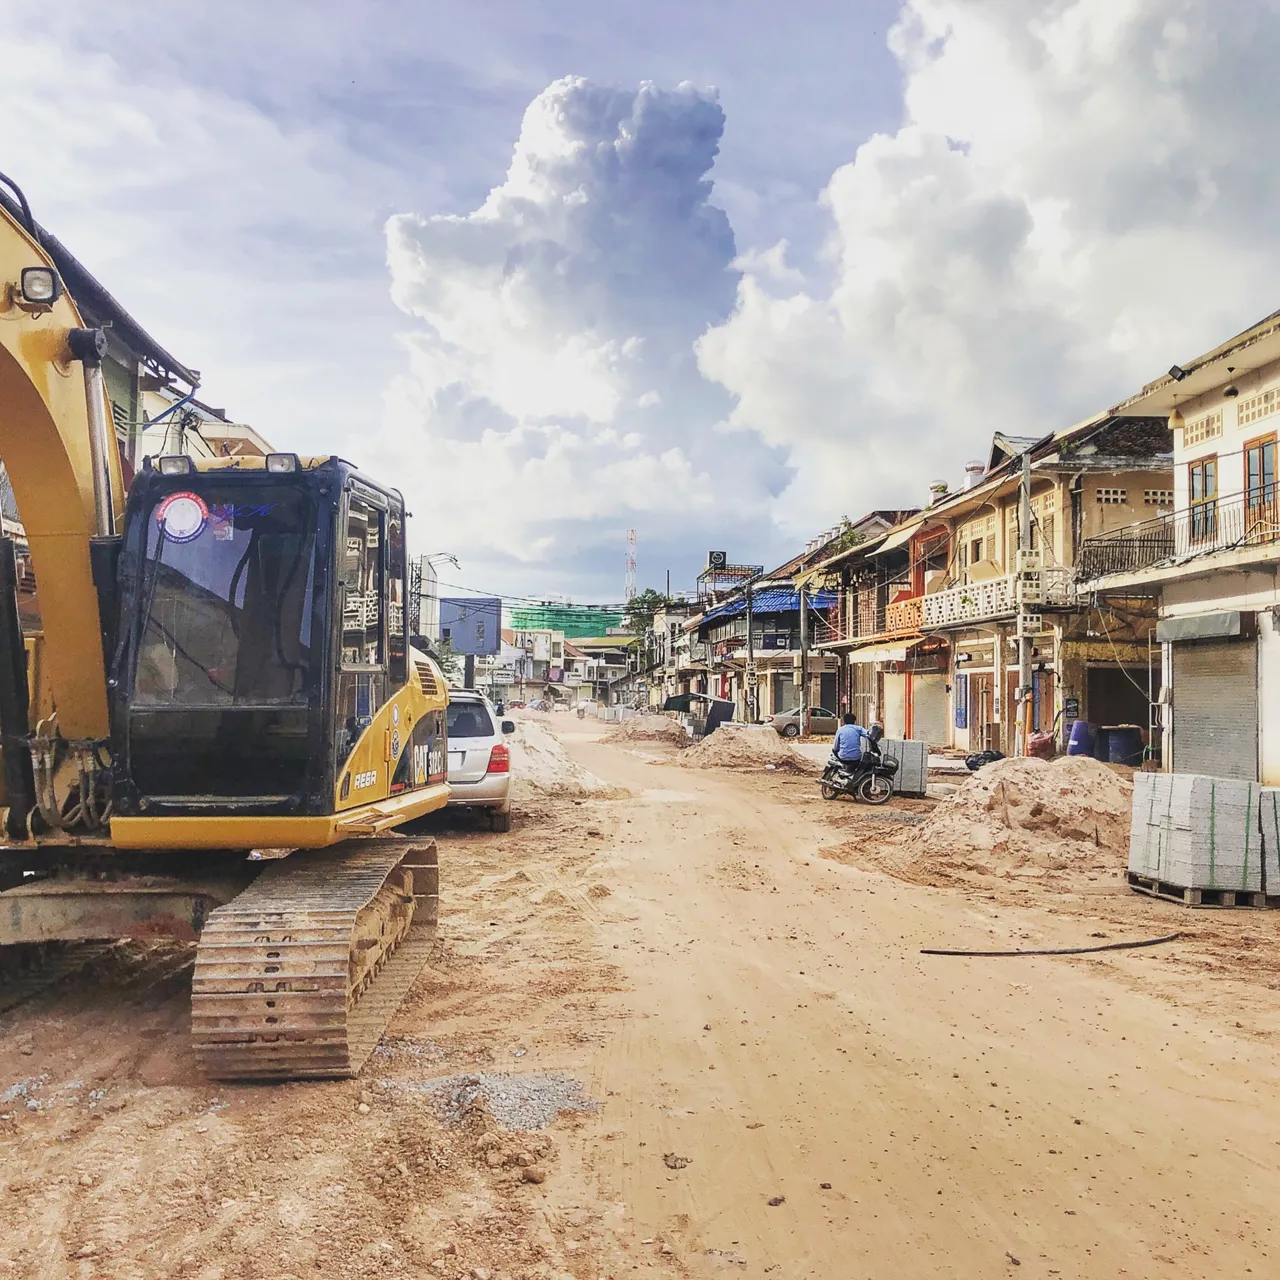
{"x": 808, "y": 283}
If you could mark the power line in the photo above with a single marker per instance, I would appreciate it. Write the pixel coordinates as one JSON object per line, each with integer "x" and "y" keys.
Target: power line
{"x": 620, "y": 607}
{"x": 531, "y": 600}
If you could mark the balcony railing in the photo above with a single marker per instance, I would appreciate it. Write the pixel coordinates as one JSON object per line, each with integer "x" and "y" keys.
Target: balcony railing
{"x": 902, "y": 618}
{"x": 1225, "y": 524}
{"x": 995, "y": 598}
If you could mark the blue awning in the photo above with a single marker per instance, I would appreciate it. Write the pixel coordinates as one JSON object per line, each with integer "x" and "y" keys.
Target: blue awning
{"x": 770, "y": 600}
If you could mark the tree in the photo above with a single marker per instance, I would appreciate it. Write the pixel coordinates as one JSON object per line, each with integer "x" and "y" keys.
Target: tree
{"x": 642, "y": 608}
{"x": 450, "y": 663}
{"x": 847, "y": 538}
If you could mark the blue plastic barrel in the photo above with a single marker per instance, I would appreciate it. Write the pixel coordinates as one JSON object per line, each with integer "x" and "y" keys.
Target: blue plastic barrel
{"x": 1124, "y": 745}
{"x": 1080, "y": 742}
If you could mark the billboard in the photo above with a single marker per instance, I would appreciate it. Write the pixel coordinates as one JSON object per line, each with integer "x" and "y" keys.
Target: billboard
{"x": 472, "y": 625}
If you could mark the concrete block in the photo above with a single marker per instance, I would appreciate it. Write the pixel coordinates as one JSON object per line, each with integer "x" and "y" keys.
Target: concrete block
{"x": 1196, "y": 832}
{"x": 913, "y": 764}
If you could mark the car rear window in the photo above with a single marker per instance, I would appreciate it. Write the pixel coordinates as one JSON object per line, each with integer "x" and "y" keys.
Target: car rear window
{"x": 469, "y": 720}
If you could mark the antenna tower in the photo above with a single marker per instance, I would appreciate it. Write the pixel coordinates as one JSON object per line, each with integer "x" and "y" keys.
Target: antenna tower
{"x": 629, "y": 582}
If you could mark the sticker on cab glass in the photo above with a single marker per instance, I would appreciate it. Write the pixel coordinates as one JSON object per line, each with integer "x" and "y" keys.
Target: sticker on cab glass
{"x": 224, "y": 522}
{"x": 182, "y": 516}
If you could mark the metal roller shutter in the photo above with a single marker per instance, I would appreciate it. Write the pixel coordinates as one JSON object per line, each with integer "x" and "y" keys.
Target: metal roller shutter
{"x": 1215, "y": 709}
{"x": 929, "y": 709}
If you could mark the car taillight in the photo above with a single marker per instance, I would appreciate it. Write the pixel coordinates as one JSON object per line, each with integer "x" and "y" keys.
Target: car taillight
{"x": 499, "y": 759}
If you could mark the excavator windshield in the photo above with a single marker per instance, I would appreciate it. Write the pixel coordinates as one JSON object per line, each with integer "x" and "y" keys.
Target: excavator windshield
{"x": 219, "y": 664}
{"x": 226, "y": 594}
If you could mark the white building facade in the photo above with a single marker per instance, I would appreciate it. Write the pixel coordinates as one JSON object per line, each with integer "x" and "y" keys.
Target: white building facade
{"x": 1214, "y": 562}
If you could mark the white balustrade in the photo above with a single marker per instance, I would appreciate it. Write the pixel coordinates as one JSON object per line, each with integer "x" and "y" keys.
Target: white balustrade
{"x": 995, "y": 598}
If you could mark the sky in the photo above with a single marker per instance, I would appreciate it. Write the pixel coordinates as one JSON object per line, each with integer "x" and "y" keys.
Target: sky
{"x": 722, "y": 273}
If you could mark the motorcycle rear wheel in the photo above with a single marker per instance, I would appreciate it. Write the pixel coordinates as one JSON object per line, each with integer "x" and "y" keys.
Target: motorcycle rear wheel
{"x": 874, "y": 789}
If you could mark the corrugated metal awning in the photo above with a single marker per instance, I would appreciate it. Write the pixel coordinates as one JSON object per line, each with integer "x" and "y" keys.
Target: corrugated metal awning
{"x": 899, "y": 538}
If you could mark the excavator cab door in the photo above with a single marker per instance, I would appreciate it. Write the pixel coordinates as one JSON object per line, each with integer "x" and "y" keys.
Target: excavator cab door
{"x": 371, "y": 579}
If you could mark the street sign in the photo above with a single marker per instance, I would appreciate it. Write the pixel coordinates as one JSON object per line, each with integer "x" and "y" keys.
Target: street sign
{"x": 503, "y": 677}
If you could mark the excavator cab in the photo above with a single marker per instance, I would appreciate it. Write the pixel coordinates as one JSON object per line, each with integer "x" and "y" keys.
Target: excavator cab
{"x": 261, "y": 632}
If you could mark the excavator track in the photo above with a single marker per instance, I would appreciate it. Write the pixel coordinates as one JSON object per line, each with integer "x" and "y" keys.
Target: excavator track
{"x": 298, "y": 976}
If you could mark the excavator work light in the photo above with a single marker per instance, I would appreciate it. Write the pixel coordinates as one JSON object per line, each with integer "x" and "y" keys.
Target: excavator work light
{"x": 176, "y": 465}
{"x": 40, "y": 286}
{"x": 282, "y": 462}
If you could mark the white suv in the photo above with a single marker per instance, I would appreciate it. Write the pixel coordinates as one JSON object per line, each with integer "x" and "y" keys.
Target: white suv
{"x": 479, "y": 760}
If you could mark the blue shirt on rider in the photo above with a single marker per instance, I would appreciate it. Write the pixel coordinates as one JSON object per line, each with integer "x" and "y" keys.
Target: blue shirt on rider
{"x": 850, "y": 739}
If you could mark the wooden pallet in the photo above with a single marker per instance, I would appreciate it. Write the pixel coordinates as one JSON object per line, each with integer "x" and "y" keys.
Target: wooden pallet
{"x": 1201, "y": 897}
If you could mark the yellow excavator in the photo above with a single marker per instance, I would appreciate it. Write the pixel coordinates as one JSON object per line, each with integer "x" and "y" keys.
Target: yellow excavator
{"x": 219, "y": 722}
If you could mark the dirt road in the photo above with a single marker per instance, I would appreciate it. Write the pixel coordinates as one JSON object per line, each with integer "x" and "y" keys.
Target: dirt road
{"x": 786, "y": 1087}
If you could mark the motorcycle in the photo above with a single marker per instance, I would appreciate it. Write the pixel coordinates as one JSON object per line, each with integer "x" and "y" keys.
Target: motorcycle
{"x": 869, "y": 779}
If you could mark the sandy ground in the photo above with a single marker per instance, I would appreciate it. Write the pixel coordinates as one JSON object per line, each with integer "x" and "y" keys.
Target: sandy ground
{"x": 786, "y": 1087}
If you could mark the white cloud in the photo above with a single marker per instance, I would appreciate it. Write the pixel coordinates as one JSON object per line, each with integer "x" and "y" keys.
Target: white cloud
{"x": 554, "y": 364}
{"x": 1071, "y": 202}
{"x": 234, "y": 237}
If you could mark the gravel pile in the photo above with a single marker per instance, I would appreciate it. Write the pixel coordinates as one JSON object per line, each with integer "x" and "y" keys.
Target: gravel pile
{"x": 515, "y": 1102}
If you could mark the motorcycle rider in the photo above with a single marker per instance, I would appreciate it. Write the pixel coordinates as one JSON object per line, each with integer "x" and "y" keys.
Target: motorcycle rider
{"x": 851, "y": 739}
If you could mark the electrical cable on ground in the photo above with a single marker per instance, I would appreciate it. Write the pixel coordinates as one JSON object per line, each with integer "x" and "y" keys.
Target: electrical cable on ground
{"x": 1058, "y": 951}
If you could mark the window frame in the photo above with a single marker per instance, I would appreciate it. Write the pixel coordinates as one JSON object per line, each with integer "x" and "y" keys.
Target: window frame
{"x": 1202, "y": 510}
{"x": 369, "y": 501}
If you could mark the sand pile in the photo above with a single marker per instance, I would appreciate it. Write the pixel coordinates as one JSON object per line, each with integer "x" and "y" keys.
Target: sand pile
{"x": 745, "y": 746}
{"x": 1022, "y": 818}
{"x": 649, "y": 729}
{"x": 540, "y": 763}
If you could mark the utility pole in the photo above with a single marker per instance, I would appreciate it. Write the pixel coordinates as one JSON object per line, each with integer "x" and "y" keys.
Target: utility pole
{"x": 1025, "y": 598}
{"x": 750, "y": 698}
{"x": 804, "y": 657}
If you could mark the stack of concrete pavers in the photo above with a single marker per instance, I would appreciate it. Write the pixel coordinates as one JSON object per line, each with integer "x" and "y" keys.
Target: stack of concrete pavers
{"x": 1269, "y": 813}
{"x": 1197, "y": 832}
{"x": 913, "y": 764}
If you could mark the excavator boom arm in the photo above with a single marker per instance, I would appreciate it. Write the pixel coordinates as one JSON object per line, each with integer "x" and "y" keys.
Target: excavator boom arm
{"x": 59, "y": 449}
